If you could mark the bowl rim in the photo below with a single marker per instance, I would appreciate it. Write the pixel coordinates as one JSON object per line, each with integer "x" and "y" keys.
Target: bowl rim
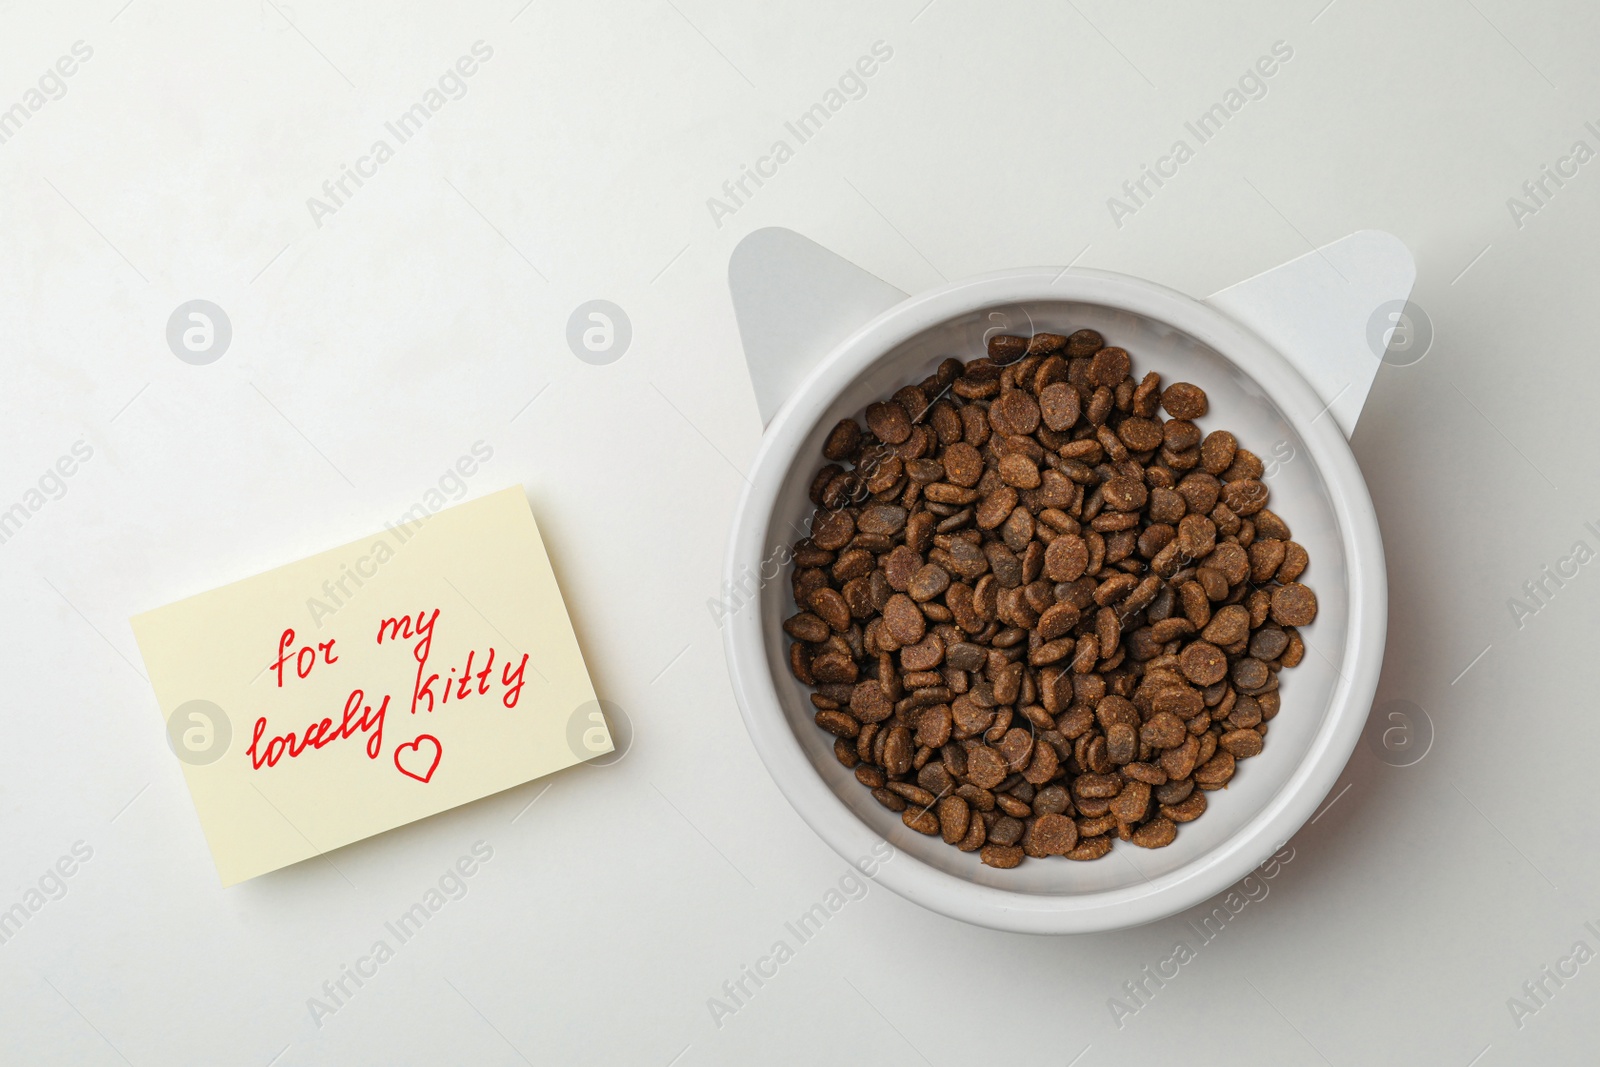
{"x": 1263, "y": 833}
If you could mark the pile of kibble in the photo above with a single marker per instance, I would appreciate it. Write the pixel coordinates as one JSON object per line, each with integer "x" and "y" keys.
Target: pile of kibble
{"x": 1038, "y": 615}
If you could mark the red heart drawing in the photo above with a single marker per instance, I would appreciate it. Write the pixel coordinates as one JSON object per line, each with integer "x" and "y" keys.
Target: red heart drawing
{"x": 419, "y": 757}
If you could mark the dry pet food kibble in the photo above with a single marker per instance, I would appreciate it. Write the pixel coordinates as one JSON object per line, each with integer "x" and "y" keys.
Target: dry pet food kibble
{"x": 1041, "y": 610}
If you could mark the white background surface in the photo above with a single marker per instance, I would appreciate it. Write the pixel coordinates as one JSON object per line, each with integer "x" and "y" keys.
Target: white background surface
{"x": 372, "y": 351}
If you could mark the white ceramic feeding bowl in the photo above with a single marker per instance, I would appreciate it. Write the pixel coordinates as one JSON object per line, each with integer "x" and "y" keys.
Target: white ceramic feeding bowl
{"x": 1316, "y": 487}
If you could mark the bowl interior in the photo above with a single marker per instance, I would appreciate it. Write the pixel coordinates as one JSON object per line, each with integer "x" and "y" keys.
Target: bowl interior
{"x": 1299, "y": 494}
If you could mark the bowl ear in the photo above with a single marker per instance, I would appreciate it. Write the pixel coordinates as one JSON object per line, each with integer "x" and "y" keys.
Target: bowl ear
{"x": 795, "y": 301}
{"x": 1316, "y": 488}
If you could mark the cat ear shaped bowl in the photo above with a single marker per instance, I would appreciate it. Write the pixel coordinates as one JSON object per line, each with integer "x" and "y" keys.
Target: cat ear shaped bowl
{"x": 1286, "y": 362}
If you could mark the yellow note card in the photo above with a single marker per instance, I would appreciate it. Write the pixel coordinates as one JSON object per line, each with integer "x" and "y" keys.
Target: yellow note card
{"x": 371, "y": 685}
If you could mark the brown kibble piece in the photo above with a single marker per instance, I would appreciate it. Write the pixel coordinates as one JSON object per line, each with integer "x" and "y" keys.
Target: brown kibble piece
{"x": 1122, "y": 743}
{"x": 1245, "y": 497}
{"x": 1110, "y": 366}
{"x": 892, "y": 801}
{"x": 832, "y": 530}
{"x": 930, "y": 581}
{"x": 1229, "y": 626}
{"x": 1203, "y": 663}
{"x": 838, "y": 723}
{"x": 1019, "y": 471}
{"x": 1182, "y": 400}
{"x": 1007, "y": 827}
{"x": 830, "y": 605}
{"x": 1098, "y": 785}
{"x": 986, "y": 768}
{"x": 1266, "y": 556}
{"x": 1059, "y": 406}
{"x": 889, "y": 422}
{"x": 934, "y": 725}
{"x": 904, "y": 620}
{"x": 869, "y": 703}
{"x": 1269, "y": 642}
{"x": 898, "y": 751}
{"x": 1123, "y": 493}
{"x": 1140, "y": 435}
{"x": 925, "y": 655}
{"x": 1177, "y": 700}
{"x": 1002, "y": 856}
{"x": 1007, "y": 348}
{"x": 1180, "y": 435}
{"x": 1174, "y": 792}
{"x": 1065, "y": 558}
{"x": 1179, "y": 762}
{"x": 1006, "y": 830}
{"x": 953, "y": 819}
{"x": 1016, "y": 412}
{"x": 834, "y": 666}
{"x": 1231, "y": 561}
{"x": 1016, "y": 747}
{"x": 1197, "y": 535}
{"x": 1295, "y": 561}
{"x": 1186, "y": 810}
{"x": 1148, "y": 773}
{"x": 1091, "y": 848}
{"x": 1214, "y": 772}
{"x": 1293, "y": 605}
{"x": 962, "y": 464}
{"x": 1240, "y": 744}
{"x": 1044, "y": 765}
{"x": 996, "y": 507}
{"x": 1213, "y": 581}
{"x": 1268, "y": 524}
{"x": 1043, "y": 344}
{"x": 844, "y": 441}
{"x": 1157, "y": 833}
{"x": 1132, "y": 803}
{"x": 1164, "y": 730}
{"x": 806, "y": 627}
{"x": 1216, "y": 451}
{"x": 1084, "y": 343}
{"x": 1249, "y": 673}
{"x": 1053, "y": 835}
{"x": 1246, "y": 464}
{"x": 881, "y": 520}
{"x": 900, "y": 565}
